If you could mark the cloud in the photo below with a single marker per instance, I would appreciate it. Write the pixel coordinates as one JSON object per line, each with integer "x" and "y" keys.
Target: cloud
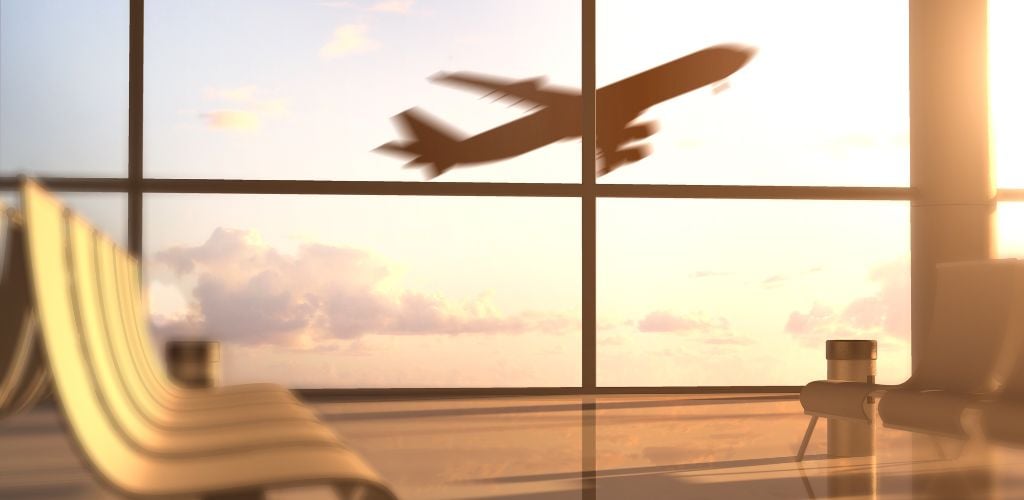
{"x": 886, "y": 313}
{"x": 610, "y": 340}
{"x": 248, "y": 110}
{"x": 165, "y": 299}
{"x": 347, "y": 39}
{"x": 707, "y": 274}
{"x": 248, "y": 293}
{"x": 715, "y": 331}
{"x": 393, "y": 6}
{"x": 810, "y": 326}
{"x": 777, "y": 280}
{"x": 231, "y": 119}
{"x": 727, "y": 340}
{"x": 664, "y": 321}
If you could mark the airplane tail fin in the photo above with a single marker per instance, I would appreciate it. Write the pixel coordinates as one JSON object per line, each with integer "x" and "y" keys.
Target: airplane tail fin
{"x": 433, "y": 145}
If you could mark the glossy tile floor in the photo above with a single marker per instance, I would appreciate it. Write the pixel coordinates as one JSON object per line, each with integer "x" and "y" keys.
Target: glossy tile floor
{"x": 609, "y": 447}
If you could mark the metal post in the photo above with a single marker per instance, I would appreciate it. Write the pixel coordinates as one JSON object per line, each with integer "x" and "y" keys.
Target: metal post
{"x": 853, "y": 361}
{"x": 194, "y": 363}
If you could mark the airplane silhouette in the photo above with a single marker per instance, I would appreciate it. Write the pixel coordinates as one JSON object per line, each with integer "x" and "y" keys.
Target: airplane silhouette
{"x": 438, "y": 147}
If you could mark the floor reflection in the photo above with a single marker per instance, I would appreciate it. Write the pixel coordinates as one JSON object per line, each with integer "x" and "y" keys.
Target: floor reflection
{"x": 579, "y": 448}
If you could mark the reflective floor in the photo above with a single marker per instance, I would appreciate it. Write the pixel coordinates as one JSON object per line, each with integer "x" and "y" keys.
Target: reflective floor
{"x": 609, "y": 447}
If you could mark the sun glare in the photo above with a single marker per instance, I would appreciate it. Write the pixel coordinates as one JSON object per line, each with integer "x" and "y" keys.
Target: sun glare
{"x": 1006, "y": 103}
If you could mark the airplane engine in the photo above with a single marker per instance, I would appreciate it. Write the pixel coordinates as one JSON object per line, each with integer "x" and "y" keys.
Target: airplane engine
{"x": 628, "y": 155}
{"x": 623, "y": 156}
{"x": 640, "y": 131}
{"x": 634, "y": 153}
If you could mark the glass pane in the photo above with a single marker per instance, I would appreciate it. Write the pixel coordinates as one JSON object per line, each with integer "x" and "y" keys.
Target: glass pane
{"x": 1010, "y": 230}
{"x": 272, "y": 89}
{"x": 819, "y": 103}
{"x": 106, "y": 211}
{"x": 730, "y": 292}
{"x": 64, "y": 87}
{"x": 365, "y": 291}
{"x": 1005, "y": 100}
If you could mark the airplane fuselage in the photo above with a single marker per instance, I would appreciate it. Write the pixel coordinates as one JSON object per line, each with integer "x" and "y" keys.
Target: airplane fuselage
{"x": 617, "y": 105}
{"x": 525, "y": 134}
{"x": 560, "y": 116}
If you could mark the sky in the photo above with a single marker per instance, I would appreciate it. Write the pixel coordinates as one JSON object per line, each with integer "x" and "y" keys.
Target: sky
{"x": 362, "y": 291}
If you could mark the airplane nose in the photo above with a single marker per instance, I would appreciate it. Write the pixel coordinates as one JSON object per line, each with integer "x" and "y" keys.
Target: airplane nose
{"x": 742, "y": 54}
{"x": 748, "y": 52}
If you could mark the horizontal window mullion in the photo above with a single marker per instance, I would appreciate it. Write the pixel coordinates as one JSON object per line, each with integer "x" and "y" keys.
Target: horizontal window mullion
{"x": 1010, "y": 195}
{"x": 248, "y": 186}
{"x": 74, "y": 184}
{"x": 753, "y": 192}
{"x": 214, "y": 186}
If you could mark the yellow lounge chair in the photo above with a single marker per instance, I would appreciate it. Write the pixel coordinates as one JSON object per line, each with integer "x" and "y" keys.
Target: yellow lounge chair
{"x": 24, "y": 378}
{"x": 139, "y": 426}
{"x": 114, "y": 458}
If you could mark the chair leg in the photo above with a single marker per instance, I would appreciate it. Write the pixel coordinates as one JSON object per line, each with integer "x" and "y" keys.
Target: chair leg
{"x": 807, "y": 438}
{"x": 807, "y": 484}
{"x": 937, "y": 445}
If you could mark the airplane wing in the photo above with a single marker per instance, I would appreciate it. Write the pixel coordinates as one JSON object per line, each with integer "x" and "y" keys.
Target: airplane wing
{"x": 622, "y": 102}
{"x": 532, "y": 90}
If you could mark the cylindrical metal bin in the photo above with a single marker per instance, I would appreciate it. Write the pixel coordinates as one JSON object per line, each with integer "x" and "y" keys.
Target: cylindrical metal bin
{"x": 853, "y": 361}
{"x": 194, "y": 363}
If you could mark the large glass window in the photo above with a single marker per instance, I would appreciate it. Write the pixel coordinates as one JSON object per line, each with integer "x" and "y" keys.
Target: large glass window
{"x": 107, "y": 211}
{"x": 308, "y": 90}
{"x": 365, "y": 291}
{"x": 731, "y": 292}
{"x": 64, "y": 88}
{"x": 1006, "y": 78}
{"x": 823, "y": 100}
{"x": 258, "y": 114}
{"x": 1010, "y": 230}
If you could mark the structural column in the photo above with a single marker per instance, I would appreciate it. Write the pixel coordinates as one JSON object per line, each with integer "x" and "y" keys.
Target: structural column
{"x": 953, "y": 203}
{"x": 951, "y": 215}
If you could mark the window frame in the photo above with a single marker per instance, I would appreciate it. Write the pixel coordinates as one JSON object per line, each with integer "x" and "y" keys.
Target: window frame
{"x": 136, "y": 185}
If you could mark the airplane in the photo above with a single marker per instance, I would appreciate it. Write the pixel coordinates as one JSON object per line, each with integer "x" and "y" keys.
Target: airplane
{"x": 438, "y": 147}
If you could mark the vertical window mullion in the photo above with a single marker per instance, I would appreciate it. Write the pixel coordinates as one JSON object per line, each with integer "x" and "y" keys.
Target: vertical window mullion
{"x": 136, "y": 20}
{"x": 589, "y": 236}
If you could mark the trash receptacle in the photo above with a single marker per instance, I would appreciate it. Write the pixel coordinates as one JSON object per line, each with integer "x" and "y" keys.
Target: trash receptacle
{"x": 194, "y": 363}
{"x": 853, "y": 361}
